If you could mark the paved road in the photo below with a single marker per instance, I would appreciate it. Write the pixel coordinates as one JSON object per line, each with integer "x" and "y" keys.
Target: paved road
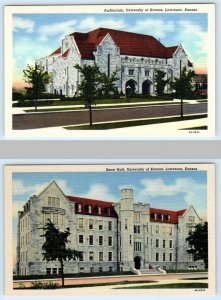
{"x": 109, "y": 279}
{"x": 43, "y": 120}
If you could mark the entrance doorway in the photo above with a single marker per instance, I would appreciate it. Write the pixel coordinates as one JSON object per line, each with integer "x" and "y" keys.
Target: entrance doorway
{"x": 130, "y": 88}
{"x": 146, "y": 87}
{"x": 137, "y": 262}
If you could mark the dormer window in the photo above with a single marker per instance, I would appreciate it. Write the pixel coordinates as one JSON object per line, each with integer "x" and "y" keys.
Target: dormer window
{"x": 79, "y": 207}
{"x": 99, "y": 210}
{"x": 89, "y": 209}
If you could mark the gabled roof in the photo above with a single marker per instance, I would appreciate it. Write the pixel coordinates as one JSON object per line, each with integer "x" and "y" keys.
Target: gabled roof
{"x": 173, "y": 215}
{"x": 107, "y": 208}
{"x": 65, "y": 54}
{"x": 56, "y": 52}
{"x": 129, "y": 43}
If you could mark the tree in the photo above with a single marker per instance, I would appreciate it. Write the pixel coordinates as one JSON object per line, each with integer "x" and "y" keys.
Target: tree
{"x": 89, "y": 86}
{"x": 198, "y": 241}
{"x": 183, "y": 86}
{"x": 108, "y": 87}
{"x": 55, "y": 246}
{"x": 160, "y": 82}
{"x": 37, "y": 78}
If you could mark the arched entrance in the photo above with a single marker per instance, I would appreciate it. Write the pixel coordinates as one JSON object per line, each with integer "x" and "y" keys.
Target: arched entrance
{"x": 146, "y": 87}
{"x": 137, "y": 262}
{"x": 130, "y": 87}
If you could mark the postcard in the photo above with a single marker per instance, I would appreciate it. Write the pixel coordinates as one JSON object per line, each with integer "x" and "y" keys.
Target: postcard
{"x": 114, "y": 229}
{"x": 110, "y": 71}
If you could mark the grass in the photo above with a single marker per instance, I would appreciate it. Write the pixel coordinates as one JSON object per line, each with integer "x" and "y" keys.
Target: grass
{"x": 196, "y": 128}
{"x": 89, "y": 284}
{"x": 94, "y": 108}
{"x": 186, "y": 271}
{"x": 196, "y": 278}
{"x": 191, "y": 285}
{"x": 114, "y": 125}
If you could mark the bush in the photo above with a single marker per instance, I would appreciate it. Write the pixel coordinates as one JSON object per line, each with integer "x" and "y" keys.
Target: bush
{"x": 17, "y": 96}
{"x": 42, "y": 285}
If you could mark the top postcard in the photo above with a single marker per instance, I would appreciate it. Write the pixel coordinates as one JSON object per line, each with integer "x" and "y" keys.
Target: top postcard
{"x": 110, "y": 71}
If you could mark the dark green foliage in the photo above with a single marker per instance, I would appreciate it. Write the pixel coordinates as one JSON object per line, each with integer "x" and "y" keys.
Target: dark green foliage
{"x": 55, "y": 246}
{"x": 44, "y": 285}
{"x": 198, "y": 241}
{"x": 17, "y": 96}
{"x": 107, "y": 87}
{"x": 160, "y": 82}
{"x": 37, "y": 79}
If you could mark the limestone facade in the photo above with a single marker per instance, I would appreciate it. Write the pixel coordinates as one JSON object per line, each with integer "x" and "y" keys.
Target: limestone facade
{"x": 136, "y": 58}
{"x": 111, "y": 236}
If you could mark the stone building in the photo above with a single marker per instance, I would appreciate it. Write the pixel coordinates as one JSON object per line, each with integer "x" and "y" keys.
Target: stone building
{"x": 136, "y": 57}
{"x": 111, "y": 236}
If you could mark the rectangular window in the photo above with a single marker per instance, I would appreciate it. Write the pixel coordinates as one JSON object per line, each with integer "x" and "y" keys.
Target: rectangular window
{"x": 53, "y": 201}
{"x": 55, "y": 219}
{"x": 109, "y": 225}
{"x": 91, "y": 224}
{"x": 100, "y": 240}
{"x": 171, "y": 256}
{"x": 157, "y": 229}
{"x": 59, "y": 270}
{"x": 137, "y": 246}
{"x": 81, "y": 239}
{"x": 131, "y": 72}
{"x": 61, "y": 219}
{"x": 147, "y": 72}
{"x": 101, "y": 256}
{"x": 54, "y": 270}
{"x": 81, "y": 258}
{"x": 164, "y": 243}
{"x": 91, "y": 256}
{"x": 89, "y": 209}
{"x": 157, "y": 243}
{"x": 136, "y": 216}
{"x": 125, "y": 224}
{"x": 157, "y": 256}
{"x": 164, "y": 256}
{"x": 109, "y": 256}
{"x": 49, "y": 201}
{"x": 99, "y": 210}
{"x": 91, "y": 240}
{"x": 110, "y": 241}
{"x": 92, "y": 269}
{"x": 170, "y": 230}
{"x": 137, "y": 229}
{"x": 100, "y": 226}
{"x": 110, "y": 269}
{"x": 171, "y": 243}
{"x": 80, "y": 223}
{"x": 191, "y": 219}
{"x": 48, "y": 271}
{"x": 100, "y": 269}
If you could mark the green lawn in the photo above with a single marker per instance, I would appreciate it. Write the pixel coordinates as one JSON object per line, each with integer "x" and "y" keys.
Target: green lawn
{"x": 196, "y": 128}
{"x": 114, "y": 125}
{"x": 186, "y": 271}
{"x": 191, "y": 285}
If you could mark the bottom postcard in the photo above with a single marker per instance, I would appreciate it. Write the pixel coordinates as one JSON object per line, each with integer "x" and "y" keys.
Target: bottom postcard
{"x": 130, "y": 229}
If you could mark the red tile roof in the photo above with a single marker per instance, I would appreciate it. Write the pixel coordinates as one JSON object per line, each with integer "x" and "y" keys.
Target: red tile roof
{"x": 85, "y": 202}
{"x": 65, "y": 54}
{"x": 56, "y": 52}
{"x": 173, "y": 219}
{"x": 129, "y": 43}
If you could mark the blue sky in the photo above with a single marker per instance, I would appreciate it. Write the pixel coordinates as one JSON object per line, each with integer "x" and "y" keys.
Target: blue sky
{"x": 37, "y": 35}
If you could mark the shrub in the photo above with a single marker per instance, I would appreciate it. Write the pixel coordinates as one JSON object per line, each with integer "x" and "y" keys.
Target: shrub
{"x": 44, "y": 285}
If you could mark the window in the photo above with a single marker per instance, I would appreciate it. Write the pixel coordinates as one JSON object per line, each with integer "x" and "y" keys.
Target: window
{"x": 190, "y": 257}
{"x": 147, "y": 241}
{"x": 130, "y": 239}
{"x": 47, "y": 217}
{"x": 89, "y": 209}
{"x": 164, "y": 256}
{"x": 100, "y": 226}
{"x": 136, "y": 229}
{"x": 57, "y": 202}
{"x": 136, "y": 216}
{"x": 91, "y": 240}
{"x": 170, "y": 230}
{"x": 157, "y": 256}
{"x": 110, "y": 269}
{"x": 108, "y": 211}
{"x": 164, "y": 243}
{"x": 125, "y": 224}
{"x": 55, "y": 219}
{"x": 157, "y": 243}
{"x": 48, "y": 271}
{"x": 131, "y": 72}
{"x": 59, "y": 270}
{"x": 171, "y": 256}
{"x": 90, "y": 224}
{"x": 157, "y": 229}
{"x": 80, "y": 223}
{"x": 53, "y": 201}
{"x": 54, "y": 270}
{"x": 49, "y": 201}
{"x": 147, "y": 72}
{"x": 101, "y": 256}
{"x": 110, "y": 241}
{"x": 81, "y": 239}
{"x": 91, "y": 256}
{"x": 61, "y": 221}
{"x": 81, "y": 257}
{"x": 79, "y": 207}
{"x": 109, "y": 256}
{"x": 191, "y": 219}
{"x": 171, "y": 244}
{"x": 92, "y": 269}
{"x": 100, "y": 240}
{"x": 137, "y": 246}
{"x": 99, "y": 210}
{"x": 100, "y": 269}
{"x": 109, "y": 225}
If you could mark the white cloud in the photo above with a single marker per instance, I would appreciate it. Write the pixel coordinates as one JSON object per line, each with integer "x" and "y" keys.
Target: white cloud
{"x": 91, "y": 23}
{"x": 23, "y": 24}
{"x": 99, "y": 191}
{"x": 155, "y": 27}
{"x": 59, "y": 28}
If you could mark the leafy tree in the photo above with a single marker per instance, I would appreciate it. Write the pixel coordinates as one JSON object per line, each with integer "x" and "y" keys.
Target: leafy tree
{"x": 55, "y": 246}
{"x": 183, "y": 86}
{"x": 107, "y": 84}
{"x": 198, "y": 241}
{"x": 89, "y": 86}
{"x": 37, "y": 78}
{"x": 160, "y": 82}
